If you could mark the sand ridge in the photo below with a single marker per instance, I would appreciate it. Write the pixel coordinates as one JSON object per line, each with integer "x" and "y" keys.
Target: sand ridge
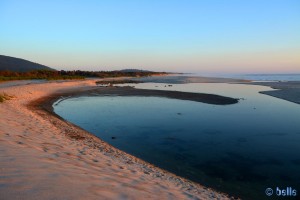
{"x": 44, "y": 157}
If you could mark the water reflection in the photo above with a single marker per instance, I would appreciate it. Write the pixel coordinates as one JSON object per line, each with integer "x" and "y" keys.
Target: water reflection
{"x": 240, "y": 149}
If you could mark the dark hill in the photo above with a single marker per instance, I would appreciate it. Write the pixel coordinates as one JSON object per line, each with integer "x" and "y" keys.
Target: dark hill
{"x": 19, "y": 65}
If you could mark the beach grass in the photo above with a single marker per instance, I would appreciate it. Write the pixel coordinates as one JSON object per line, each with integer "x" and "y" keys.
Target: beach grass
{"x": 4, "y": 96}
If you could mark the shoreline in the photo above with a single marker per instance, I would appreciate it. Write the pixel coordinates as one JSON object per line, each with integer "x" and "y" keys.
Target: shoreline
{"x": 33, "y": 136}
{"x": 134, "y": 177}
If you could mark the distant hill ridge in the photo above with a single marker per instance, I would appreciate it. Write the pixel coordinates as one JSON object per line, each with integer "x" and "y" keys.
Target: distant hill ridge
{"x": 19, "y": 65}
{"x": 134, "y": 70}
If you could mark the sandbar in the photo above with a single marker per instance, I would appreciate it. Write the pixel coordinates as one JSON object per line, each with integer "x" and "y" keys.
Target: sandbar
{"x": 287, "y": 90}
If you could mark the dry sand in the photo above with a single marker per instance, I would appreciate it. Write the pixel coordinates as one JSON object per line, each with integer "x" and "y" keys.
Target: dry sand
{"x": 44, "y": 157}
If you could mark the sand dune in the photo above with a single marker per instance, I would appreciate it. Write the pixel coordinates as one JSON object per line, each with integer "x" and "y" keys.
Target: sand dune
{"x": 43, "y": 157}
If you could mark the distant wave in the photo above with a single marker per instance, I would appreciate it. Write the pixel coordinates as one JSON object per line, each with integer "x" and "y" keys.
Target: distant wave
{"x": 271, "y": 77}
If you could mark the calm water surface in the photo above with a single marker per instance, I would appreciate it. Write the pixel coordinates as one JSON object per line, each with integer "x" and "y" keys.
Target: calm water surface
{"x": 254, "y": 77}
{"x": 241, "y": 149}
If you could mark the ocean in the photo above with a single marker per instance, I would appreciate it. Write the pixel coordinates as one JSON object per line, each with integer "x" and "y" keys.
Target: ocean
{"x": 253, "y": 77}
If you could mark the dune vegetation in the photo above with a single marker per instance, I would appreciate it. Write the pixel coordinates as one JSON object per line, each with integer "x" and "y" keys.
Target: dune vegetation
{"x": 75, "y": 74}
{"x": 4, "y": 96}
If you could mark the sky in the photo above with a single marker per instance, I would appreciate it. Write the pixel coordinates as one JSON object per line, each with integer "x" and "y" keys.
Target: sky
{"x": 205, "y": 36}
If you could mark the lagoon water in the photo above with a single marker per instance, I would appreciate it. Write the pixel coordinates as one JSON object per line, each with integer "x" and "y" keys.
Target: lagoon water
{"x": 240, "y": 149}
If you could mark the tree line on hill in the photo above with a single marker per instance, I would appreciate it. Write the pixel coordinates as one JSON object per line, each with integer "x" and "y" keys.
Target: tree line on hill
{"x": 76, "y": 74}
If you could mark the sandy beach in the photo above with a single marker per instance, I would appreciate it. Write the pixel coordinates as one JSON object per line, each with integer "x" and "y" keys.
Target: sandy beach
{"x": 45, "y": 157}
{"x": 166, "y": 100}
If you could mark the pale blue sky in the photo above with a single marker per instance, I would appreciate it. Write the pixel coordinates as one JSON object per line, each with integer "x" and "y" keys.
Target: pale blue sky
{"x": 242, "y": 36}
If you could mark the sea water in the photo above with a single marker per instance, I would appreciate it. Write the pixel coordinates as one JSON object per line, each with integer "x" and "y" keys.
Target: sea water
{"x": 252, "y": 77}
{"x": 241, "y": 149}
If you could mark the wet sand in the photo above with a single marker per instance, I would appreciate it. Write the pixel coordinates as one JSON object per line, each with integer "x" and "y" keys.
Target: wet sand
{"x": 130, "y": 91}
{"x": 45, "y": 157}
